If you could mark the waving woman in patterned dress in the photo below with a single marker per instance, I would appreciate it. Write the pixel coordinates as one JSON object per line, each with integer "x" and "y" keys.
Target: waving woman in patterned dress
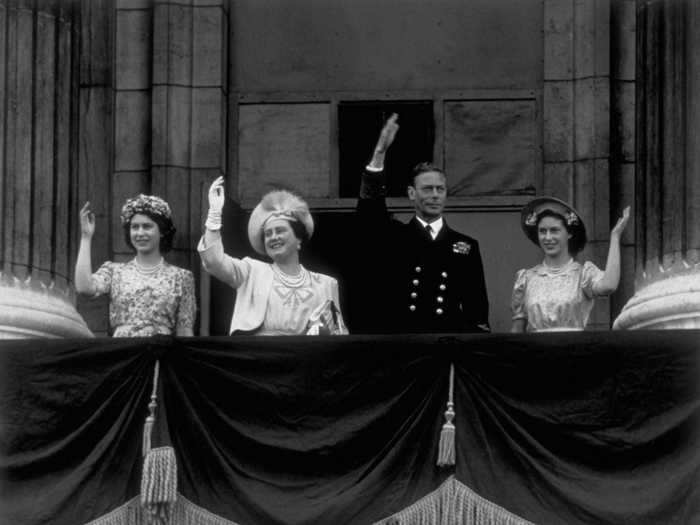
{"x": 147, "y": 296}
{"x": 279, "y": 297}
{"x": 558, "y": 293}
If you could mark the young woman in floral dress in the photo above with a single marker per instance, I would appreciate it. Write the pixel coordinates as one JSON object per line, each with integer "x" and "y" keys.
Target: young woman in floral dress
{"x": 147, "y": 295}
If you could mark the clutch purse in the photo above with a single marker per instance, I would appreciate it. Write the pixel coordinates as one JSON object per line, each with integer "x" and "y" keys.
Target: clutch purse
{"x": 324, "y": 320}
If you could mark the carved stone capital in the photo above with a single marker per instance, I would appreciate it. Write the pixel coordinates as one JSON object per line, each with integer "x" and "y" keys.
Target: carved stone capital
{"x": 669, "y": 300}
{"x": 30, "y": 308}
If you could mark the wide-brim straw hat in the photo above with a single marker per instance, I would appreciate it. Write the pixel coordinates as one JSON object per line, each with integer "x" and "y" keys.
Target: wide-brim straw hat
{"x": 279, "y": 204}
{"x": 529, "y": 217}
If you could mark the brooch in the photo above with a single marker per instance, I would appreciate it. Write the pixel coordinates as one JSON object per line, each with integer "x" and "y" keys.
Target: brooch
{"x": 461, "y": 247}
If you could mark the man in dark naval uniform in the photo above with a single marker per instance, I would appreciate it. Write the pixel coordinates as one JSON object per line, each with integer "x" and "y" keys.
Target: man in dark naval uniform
{"x": 426, "y": 277}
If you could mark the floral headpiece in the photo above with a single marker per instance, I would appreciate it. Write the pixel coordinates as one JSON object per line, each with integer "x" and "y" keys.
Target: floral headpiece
{"x": 571, "y": 219}
{"x": 149, "y": 204}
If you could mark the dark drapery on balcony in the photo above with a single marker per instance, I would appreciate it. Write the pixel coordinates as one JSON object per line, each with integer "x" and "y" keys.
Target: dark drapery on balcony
{"x": 572, "y": 428}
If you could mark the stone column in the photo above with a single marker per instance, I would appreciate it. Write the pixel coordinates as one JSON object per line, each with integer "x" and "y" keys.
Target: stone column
{"x": 667, "y": 194}
{"x": 189, "y": 112}
{"x": 38, "y": 138}
{"x": 576, "y": 101}
{"x": 190, "y": 120}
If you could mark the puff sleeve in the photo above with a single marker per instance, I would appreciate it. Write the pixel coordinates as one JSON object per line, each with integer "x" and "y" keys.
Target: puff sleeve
{"x": 590, "y": 275}
{"x": 102, "y": 278}
{"x": 517, "y": 303}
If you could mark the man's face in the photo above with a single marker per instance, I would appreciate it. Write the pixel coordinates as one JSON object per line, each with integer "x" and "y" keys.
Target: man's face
{"x": 428, "y": 194}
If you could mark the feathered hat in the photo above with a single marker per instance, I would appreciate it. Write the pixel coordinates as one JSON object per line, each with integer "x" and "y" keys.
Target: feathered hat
{"x": 530, "y": 216}
{"x": 277, "y": 204}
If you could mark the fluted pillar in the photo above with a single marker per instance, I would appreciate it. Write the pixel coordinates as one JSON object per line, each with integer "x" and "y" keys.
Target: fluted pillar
{"x": 667, "y": 289}
{"x": 38, "y": 138}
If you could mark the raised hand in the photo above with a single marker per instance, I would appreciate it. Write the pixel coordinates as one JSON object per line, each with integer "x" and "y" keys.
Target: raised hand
{"x": 216, "y": 195}
{"x": 87, "y": 221}
{"x": 216, "y": 204}
{"x": 388, "y": 133}
{"x": 621, "y": 223}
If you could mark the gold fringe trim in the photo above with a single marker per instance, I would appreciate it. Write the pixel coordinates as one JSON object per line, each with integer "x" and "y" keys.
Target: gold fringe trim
{"x": 453, "y": 503}
{"x": 184, "y": 513}
{"x": 187, "y": 513}
{"x": 130, "y": 513}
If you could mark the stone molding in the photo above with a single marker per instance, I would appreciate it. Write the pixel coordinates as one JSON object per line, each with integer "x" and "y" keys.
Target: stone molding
{"x": 668, "y": 299}
{"x": 31, "y": 309}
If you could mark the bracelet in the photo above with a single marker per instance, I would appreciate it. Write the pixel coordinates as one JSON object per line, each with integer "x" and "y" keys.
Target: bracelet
{"x": 213, "y": 220}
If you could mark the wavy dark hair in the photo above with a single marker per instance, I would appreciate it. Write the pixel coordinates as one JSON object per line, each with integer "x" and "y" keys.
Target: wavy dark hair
{"x": 165, "y": 225}
{"x": 423, "y": 167}
{"x": 578, "y": 235}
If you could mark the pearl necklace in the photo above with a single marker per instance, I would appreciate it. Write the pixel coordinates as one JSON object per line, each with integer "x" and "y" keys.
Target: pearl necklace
{"x": 291, "y": 281}
{"x": 557, "y": 269}
{"x": 148, "y": 270}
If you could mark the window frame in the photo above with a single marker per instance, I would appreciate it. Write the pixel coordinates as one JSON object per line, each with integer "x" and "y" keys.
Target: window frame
{"x": 438, "y": 98}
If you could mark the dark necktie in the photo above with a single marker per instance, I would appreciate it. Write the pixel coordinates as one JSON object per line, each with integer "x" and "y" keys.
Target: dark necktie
{"x": 429, "y": 229}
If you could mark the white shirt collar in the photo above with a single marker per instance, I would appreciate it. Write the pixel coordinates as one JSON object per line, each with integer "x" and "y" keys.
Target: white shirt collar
{"x": 436, "y": 226}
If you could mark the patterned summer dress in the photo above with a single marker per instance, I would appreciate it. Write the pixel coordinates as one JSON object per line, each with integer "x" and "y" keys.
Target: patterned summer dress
{"x": 555, "y": 298}
{"x": 146, "y": 304}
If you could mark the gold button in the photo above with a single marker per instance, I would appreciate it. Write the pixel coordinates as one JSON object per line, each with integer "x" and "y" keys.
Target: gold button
{"x": 444, "y": 274}
{"x": 438, "y": 311}
{"x": 415, "y": 282}
{"x": 443, "y": 287}
{"x": 418, "y": 269}
{"x": 412, "y": 307}
{"x": 414, "y": 295}
{"x": 439, "y": 299}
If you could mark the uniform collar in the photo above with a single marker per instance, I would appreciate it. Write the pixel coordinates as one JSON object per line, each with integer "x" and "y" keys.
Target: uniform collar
{"x": 435, "y": 225}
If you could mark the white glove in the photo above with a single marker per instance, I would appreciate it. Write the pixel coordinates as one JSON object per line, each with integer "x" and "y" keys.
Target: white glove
{"x": 216, "y": 204}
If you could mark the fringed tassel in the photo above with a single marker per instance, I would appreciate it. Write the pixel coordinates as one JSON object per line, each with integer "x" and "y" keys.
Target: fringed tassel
{"x": 446, "y": 450}
{"x": 159, "y": 485}
{"x": 159, "y": 476}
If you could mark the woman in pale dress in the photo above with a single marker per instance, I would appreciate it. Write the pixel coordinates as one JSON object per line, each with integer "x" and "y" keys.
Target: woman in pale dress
{"x": 558, "y": 294}
{"x": 147, "y": 296}
{"x": 280, "y": 297}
